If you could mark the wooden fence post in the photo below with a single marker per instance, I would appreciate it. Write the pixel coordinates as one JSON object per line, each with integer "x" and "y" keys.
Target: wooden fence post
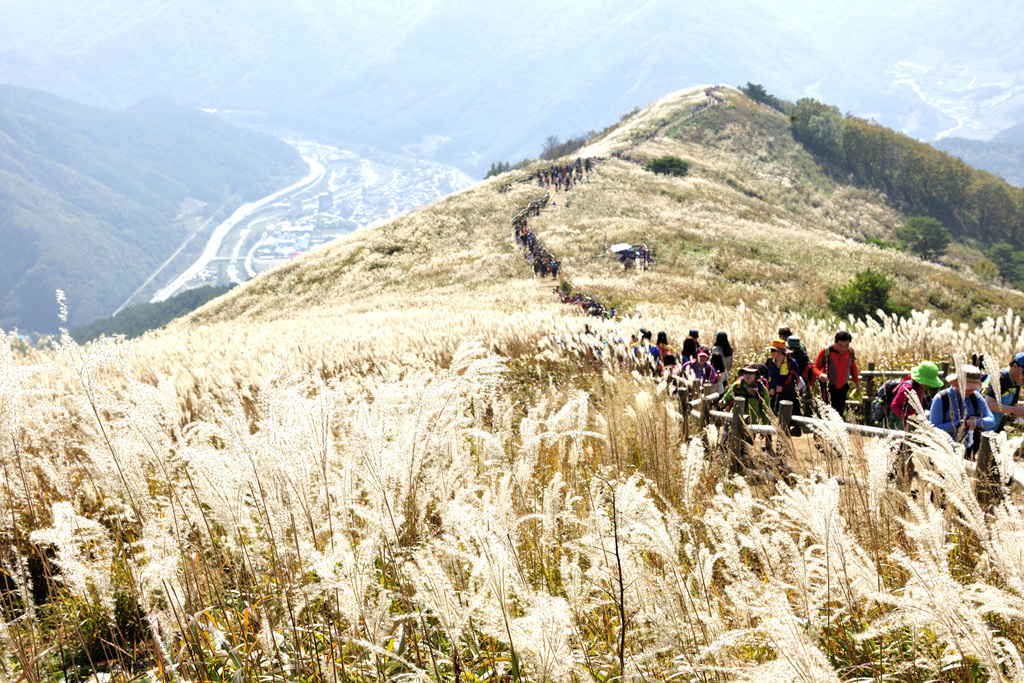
{"x": 736, "y": 429}
{"x": 705, "y": 413}
{"x": 785, "y": 415}
{"x": 943, "y": 371}
{"x": 985, "y": 482}
{"x": 869, "y": 395}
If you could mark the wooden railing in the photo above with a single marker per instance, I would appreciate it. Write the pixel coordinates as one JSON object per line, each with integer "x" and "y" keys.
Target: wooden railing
{"x": 697, "y": 405}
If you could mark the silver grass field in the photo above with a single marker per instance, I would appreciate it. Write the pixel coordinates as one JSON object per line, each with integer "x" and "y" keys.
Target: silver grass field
{"x": 387, "y": 461}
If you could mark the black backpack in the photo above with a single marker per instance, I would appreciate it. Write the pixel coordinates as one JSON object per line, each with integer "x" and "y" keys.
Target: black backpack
{"x": 717, "y": 362}
{"x": 883, "y": 399}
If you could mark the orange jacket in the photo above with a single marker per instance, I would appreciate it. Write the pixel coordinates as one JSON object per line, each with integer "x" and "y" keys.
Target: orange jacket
{"x": 839, "y": 367}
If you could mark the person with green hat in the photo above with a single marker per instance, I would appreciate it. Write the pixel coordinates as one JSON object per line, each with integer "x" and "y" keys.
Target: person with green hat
{"x": 752, "y": 388}
{"x": 1006, "y": 401}
{"x": 925, "y": 375}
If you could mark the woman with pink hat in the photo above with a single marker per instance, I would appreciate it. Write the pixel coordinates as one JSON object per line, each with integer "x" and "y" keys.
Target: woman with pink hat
{"x": 700, "y": 369}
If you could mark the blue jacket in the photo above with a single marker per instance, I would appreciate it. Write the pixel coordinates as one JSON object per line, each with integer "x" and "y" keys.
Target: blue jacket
{"x": 787, "y": 382}
{"x": 950, "y": 421}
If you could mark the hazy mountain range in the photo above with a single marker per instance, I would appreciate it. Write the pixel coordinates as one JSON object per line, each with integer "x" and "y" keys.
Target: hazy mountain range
{"x": 92, "y": 200}
{"x": 473, "y": 82}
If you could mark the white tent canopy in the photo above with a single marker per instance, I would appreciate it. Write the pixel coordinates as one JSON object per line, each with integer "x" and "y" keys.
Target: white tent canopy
{"x": 622, "y": 246}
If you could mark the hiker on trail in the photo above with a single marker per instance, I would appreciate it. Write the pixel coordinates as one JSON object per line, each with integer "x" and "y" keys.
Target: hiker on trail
{"x": 783, "y": 375}
{"x": 669, "y": 367}
{"x": 648, "y": 354}
{"x": 721, "y": 359}
{"x": 663, "y": 345}
{"x": 750, "y": 387}
{"x": 700, "y": 369}
{"x": 690, "y": 346}
{"x": 834, "y": 368}
{"x": 785, "y": 334}
{"x": 798, "y": 352}
{"x": 917, "y": 383}
{"x": 960, "y": 418}
{"x": 1007, "y": 402}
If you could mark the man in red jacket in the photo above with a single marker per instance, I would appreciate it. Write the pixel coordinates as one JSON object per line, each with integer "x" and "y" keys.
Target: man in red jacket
{"x": 835, "y": 368}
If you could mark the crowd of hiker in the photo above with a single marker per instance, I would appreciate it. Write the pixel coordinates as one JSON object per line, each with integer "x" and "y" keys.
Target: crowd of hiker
{"x": 963, "y": 403}
{"x": 966, "y": 404}
{"x": 565, "y": 175}
{"x": 631, "y": 256}
{"x": 560, "y": 175}
{"x": 587, "y": 304}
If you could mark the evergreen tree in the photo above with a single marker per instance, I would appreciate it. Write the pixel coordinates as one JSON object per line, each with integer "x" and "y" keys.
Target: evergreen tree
{"x": 862, "y": 298}
{"x": 1007, "y": 260}
{"x": 925, "y": 236}
{"x": 668, "y": 165}
{"x": 497, "y": 168}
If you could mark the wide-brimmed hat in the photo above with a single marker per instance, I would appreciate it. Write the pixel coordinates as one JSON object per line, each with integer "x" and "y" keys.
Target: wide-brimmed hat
{"x": 751, "y": 367}
{"x": 927, "y": 373}
{"x": 778, "y": 345}
{"x": 971, "y": 374}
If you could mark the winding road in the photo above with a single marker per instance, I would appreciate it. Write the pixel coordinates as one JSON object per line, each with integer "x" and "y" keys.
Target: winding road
{"x": 316, "y": 173}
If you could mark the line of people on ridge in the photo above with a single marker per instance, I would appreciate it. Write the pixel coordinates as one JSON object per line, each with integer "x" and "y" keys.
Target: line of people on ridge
{"x": 589, "y": 305}
{"x": 564, "y": 174}
{"x": 964, "y": 412}
{"x": 544, "y": 263}
{"x": 694, "y": 361}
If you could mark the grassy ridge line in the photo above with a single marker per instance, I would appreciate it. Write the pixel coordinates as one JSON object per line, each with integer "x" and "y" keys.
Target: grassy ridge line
{"x": 756, "y": 217}
{"x": 380, "y": 302}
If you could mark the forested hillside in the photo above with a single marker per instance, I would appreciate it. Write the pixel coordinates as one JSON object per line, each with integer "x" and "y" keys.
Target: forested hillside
{"x": 1001, "y": 156}
{"x": 135, "y": 321}
{"x": 916, "y": 177}
{"x": 91, "y": 201}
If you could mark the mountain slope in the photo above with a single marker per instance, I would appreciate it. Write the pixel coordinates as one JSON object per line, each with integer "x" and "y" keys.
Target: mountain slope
{"x": 89, "y": 198}
{"x": 749, "y": 240}
{"x": 1005, "y": 159}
